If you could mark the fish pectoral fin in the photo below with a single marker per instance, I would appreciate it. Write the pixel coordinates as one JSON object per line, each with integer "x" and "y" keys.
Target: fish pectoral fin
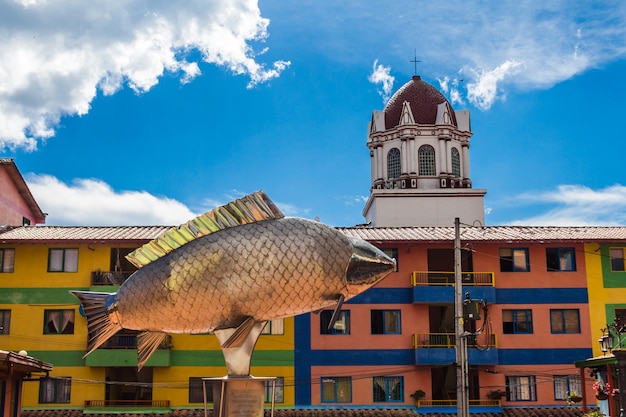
{"x": 147, "y": 343}
{"x": 232, "y": 338}
{"x": 337, "y": 312}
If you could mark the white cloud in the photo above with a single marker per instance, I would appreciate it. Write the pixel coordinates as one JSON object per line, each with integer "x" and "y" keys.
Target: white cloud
{"x": 554, "y": 40}
{"x": 577, "y": 205}
{"x": 91, "y": 202}
{"x": 484, "y": 91}
{"x": 381, "y": 75}
{"x": 451, "y": 88}
{"x": 56, "y": 56}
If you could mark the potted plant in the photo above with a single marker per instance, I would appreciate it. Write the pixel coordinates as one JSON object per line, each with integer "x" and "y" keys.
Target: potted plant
{"x": 602, "y": 390}
{"x": 418, "y": 395}
{"x": 496, "y": 394}
{"x": 593, "y": 413}
{"x": 574, "y": 398}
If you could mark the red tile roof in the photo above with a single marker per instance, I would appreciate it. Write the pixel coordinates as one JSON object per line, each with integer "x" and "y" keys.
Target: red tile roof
{"x": 42, "y": 234}
{"x": 507, "y": 412}
{"x": 489, "y": 233}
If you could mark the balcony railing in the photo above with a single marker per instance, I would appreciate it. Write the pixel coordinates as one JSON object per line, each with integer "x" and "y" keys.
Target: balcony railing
{"x": 109, "y": 277}
{"x": 127, "y": 403}
{"x": 484, "y": 279}
{"x": 129, "y": 341}
{"x": 452, "y": 403}
{"x": 448, "y": 340}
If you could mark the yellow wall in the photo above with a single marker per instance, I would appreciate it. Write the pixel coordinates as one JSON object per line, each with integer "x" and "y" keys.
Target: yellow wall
{"x": 31, "y": 289}
{"x": 599, "y": 296}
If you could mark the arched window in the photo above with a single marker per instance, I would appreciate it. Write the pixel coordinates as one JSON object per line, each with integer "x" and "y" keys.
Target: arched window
{"x": 456, "y": 163}
{"x": 393, "y": 164}
{"x": 426, "y": 160}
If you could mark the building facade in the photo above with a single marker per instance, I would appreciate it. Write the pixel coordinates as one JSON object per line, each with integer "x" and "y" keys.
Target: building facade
{"x": 540, "y": 297}
{"x": 39, "y": 315}
{"x": 17, "y": 205}
{"x": 531, "y": 283}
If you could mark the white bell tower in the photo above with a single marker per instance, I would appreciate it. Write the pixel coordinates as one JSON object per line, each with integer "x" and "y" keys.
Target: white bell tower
{"x": 419, "y": 150}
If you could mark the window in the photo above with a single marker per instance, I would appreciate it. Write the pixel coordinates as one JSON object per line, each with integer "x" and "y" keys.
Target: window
{"x": 393, "y": 164}
{"x": 63, "y": 260}
{"x": 456, "y": 163}
{"x": 388, "y": 388}
{"x": 279, "y": 394}
{"x": 342, "y": 325}
{"x": 521, "y": 388}
{"x": 426, "y": 160}
{"x": 276, "y": 326}
{"x": 517, "y": 321}
{"x": 54, "y": 390}
{"x": 565, "y": 385}
{"x": 386, "y": 322}
{"x": 7, "y": 258}
{"x": 5, "y": 321}
{"x": 392, "y": 253}
{"x": 514, "y": 260}
{"x": 564, "y": 321}
{"x": 617, "y": 259}
{"x": 58, "y": 322}
{"x": 195, "y": 390}
{"x": 560, "y": 259}
{"x": 336, "y": 389}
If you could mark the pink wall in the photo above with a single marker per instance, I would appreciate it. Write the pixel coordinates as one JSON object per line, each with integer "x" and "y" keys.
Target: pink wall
{"x": 12, "y": 206}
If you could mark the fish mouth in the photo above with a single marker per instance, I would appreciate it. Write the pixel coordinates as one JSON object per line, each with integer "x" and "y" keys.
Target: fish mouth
{"x": 368, "y": 264}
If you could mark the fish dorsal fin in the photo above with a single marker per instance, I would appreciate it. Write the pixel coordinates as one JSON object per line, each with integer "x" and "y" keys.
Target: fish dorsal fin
{"x": 251, "y": 208}
{"x": 147, "y": 343}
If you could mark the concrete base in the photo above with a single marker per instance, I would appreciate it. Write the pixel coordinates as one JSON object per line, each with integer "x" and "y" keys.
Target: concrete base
{"x": 239, "y": 396}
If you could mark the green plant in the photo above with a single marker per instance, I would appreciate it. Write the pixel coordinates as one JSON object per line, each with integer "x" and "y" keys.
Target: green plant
{"x": 574, "y": 398}
{"x": 496, "y": 394}
{"x": 418, "y": 394}
{"x": 593, "y": 413}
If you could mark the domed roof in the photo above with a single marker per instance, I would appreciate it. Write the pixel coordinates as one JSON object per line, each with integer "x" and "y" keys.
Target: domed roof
{"x": 424, "y": 99}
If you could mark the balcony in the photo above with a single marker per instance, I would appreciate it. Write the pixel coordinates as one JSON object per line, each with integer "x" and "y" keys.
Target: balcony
{"x": 125, "y": 404}
{"x": 121, "y": 350}
{"x": 100, "y": 278}
{"x": 439, "y": 349}
{"x": 449, "y": 406}
{"x": 438, "y": 286}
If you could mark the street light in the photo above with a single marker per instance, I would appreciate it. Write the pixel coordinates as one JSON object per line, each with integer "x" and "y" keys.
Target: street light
{"x": 606, "y": 341}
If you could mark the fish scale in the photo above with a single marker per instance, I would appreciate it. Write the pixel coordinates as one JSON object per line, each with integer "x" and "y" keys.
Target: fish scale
{"x": 266, "y": 268}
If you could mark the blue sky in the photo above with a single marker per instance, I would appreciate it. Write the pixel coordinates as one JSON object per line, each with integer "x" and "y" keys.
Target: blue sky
{"x": 131, "y": 113}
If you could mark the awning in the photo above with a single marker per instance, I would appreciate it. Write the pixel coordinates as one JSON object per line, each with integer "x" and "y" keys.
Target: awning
{"x": 608, "y": 359}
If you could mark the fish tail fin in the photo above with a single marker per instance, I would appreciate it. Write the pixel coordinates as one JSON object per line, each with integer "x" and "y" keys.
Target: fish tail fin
{"x": 100, "y": 326}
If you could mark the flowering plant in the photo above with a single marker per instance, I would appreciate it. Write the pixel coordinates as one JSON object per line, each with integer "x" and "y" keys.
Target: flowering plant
{"x": 573, "y": 398}
{"x": 602, "y": 387}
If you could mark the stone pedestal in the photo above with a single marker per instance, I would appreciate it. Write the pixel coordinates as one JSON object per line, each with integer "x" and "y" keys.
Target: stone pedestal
{"x": 239, "y": 396}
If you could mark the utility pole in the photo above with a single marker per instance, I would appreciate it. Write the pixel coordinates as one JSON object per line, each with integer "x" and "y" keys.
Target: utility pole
{"x": 462, "y": 388}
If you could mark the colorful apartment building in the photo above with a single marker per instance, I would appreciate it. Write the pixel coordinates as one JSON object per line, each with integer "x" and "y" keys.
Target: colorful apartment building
{"x": 40, "y": 316}
{"x": 399, "y": 337}
{"x": 539, "y": 296}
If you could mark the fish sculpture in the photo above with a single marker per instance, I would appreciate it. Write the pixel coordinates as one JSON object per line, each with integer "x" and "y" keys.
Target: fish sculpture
{"x": 231, "y": 269}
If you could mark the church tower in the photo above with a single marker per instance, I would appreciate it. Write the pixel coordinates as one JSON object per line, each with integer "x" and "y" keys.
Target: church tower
{"x": 419, "y": 151}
